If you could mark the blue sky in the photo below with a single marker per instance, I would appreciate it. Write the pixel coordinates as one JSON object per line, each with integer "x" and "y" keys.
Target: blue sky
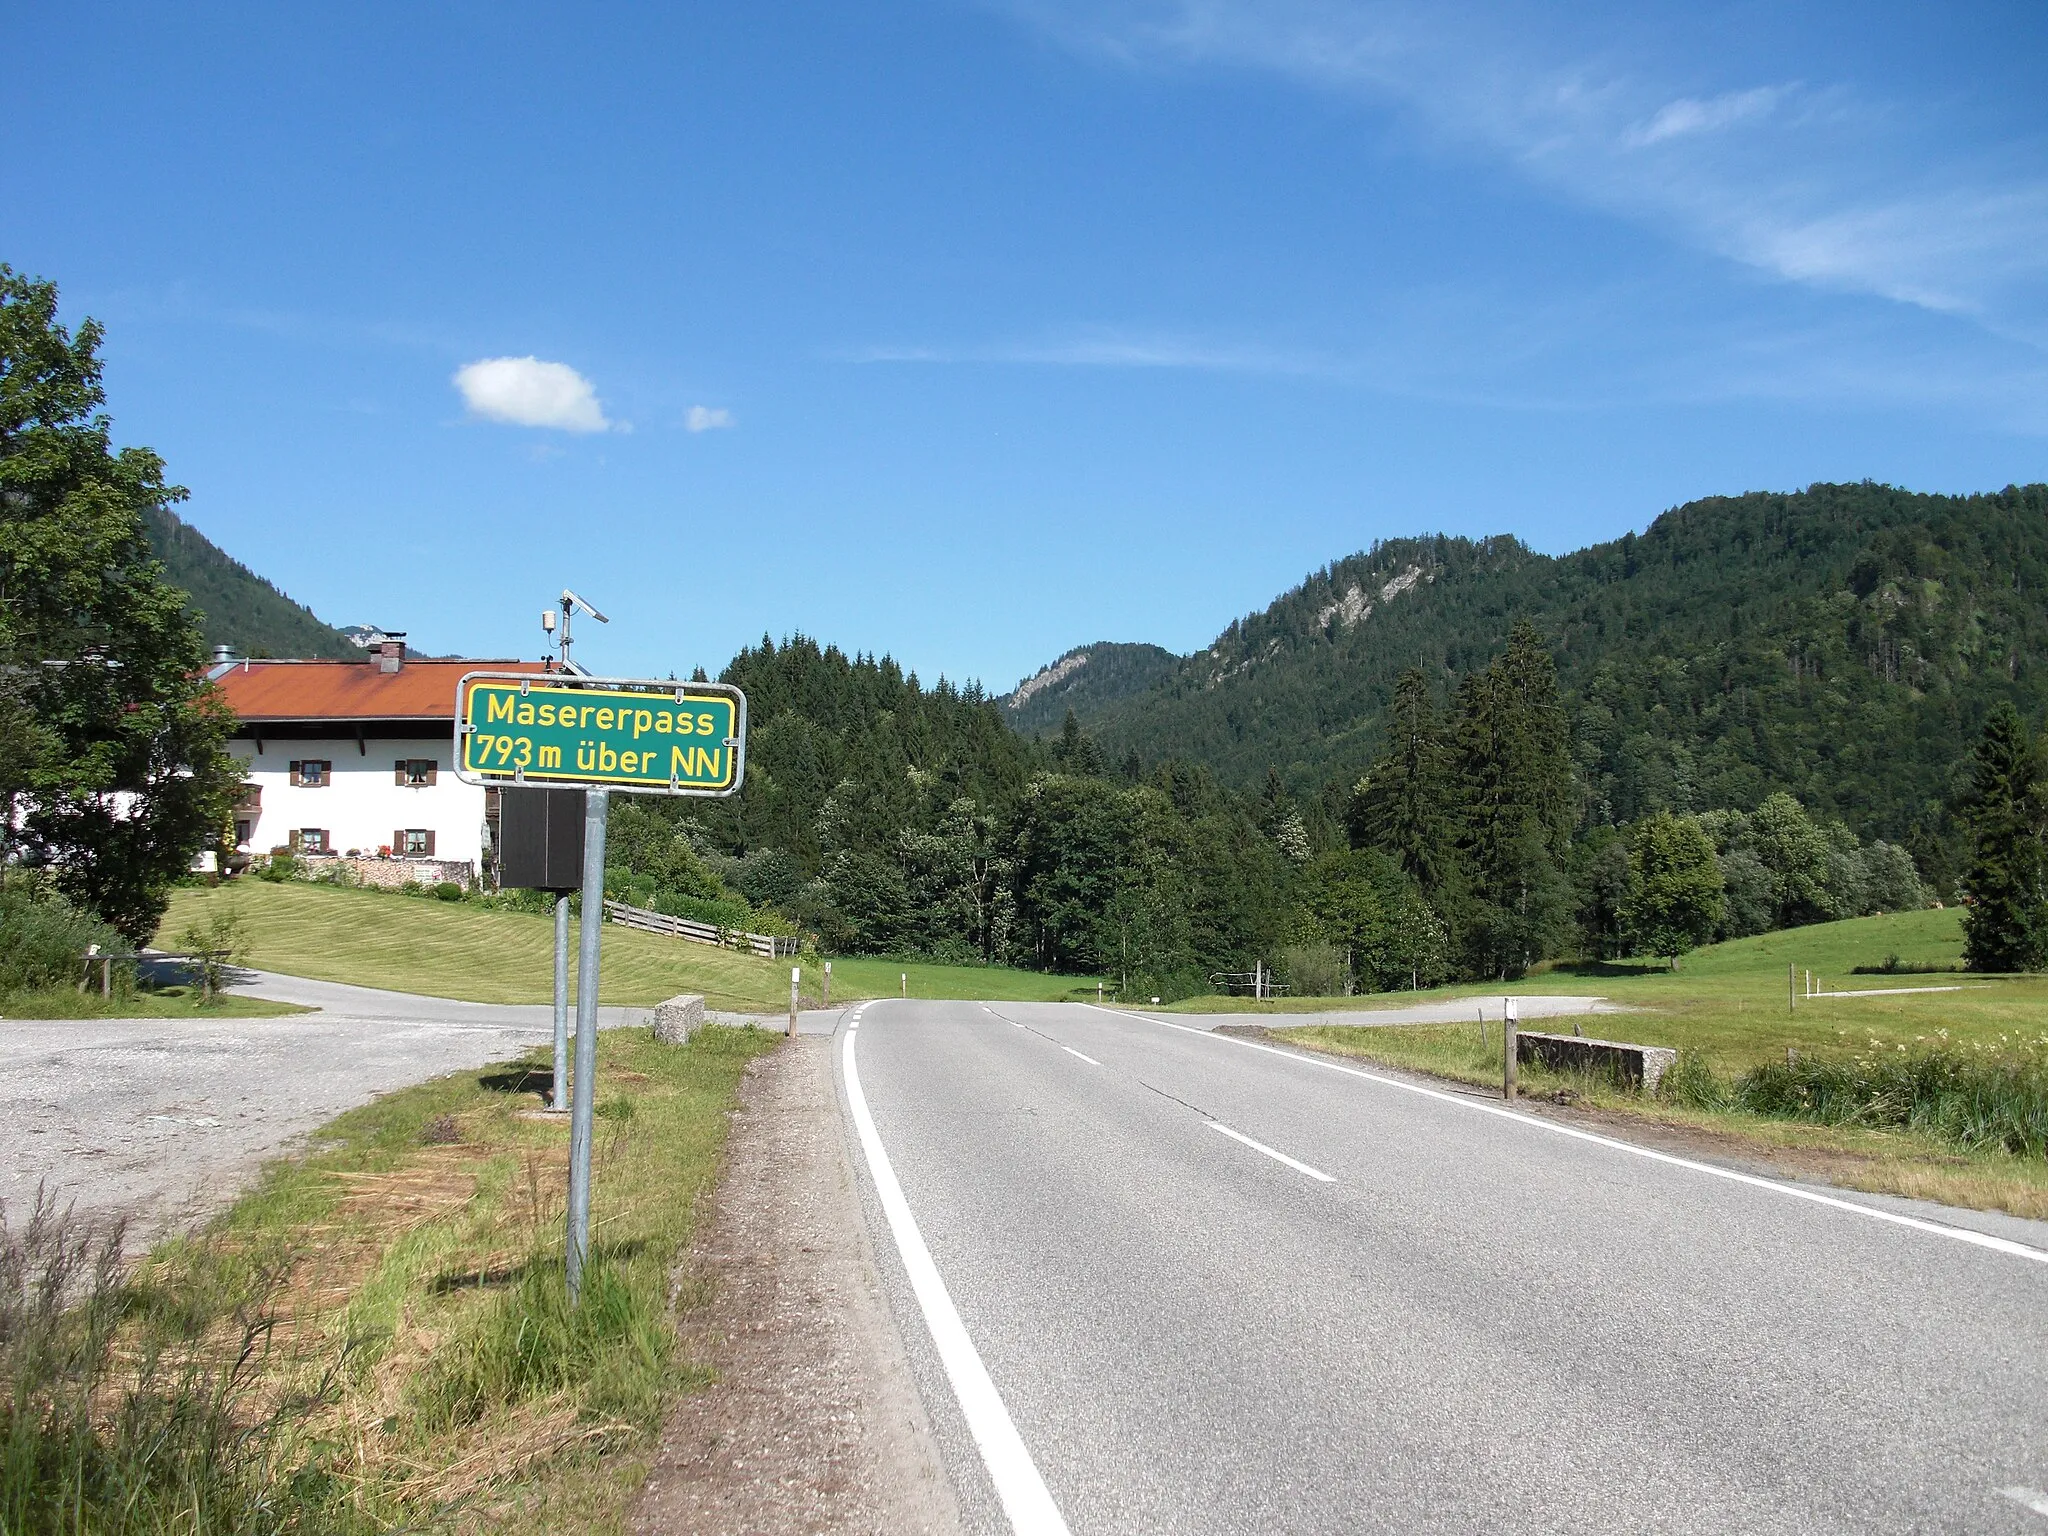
{"x": 974, "y": 332}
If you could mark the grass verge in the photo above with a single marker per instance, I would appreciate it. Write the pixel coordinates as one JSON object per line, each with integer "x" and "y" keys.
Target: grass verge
{"x": 1891, "y": 1151}
{"x": 376, "y": 1337}
{"x": 453, "y": 949}
{"x": 153, "y": 1003}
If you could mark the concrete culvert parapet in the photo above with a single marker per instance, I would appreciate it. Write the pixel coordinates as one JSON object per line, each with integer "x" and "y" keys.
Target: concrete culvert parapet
{"x": 679, "y": 1018}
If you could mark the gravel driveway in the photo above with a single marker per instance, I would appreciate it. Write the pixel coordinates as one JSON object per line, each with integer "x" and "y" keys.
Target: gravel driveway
{"x": 160, "y": 1120}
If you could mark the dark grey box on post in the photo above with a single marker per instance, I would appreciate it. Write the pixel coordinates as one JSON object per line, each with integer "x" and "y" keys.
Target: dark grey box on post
{"x": 540, "y": 835}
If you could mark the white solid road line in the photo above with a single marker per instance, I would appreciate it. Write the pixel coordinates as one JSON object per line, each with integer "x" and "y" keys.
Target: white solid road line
{"x": 1026, "y": 1500}
{"x": 1278, "y": 1157}
{"x": 2003, "y": 1245}
{"x": 1089, "y": 1059}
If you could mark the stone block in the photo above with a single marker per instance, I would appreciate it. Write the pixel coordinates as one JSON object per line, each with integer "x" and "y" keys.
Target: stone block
{"x": 679, "y": 1018}
{"x": 1636, "y": 1066}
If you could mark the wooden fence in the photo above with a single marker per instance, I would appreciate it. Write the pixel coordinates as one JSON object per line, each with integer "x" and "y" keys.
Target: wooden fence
{"x": 771, "y": 945}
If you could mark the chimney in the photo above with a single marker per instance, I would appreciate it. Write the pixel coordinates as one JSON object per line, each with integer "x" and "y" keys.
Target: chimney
{"x": 224, "y": 654}
{"x": 390, "y": 653}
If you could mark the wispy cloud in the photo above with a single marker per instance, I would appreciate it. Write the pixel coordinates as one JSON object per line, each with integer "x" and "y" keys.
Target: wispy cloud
{"x": 1689, "y": 114}
{"x": 1812, "y": 185}
{"x": 526, "y": 392}
{"x": 707, "y": 418}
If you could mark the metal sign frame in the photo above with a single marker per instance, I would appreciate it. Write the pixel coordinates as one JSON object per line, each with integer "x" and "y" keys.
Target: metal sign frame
{"x": 577, "y": 682}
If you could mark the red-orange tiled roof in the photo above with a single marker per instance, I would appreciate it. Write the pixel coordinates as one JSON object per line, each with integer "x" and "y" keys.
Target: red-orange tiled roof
{"x": 351, "y": 690}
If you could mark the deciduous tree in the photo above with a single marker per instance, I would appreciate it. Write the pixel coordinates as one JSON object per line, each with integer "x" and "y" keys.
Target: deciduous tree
{"x": 115, "y": 771}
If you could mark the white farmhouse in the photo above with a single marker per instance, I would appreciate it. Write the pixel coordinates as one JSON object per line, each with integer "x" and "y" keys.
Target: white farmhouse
{"x": 355, "y": 759}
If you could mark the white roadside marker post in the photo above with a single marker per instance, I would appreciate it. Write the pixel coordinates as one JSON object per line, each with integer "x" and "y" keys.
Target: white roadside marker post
{"x": 795, "y": 971}
{"x": 1507, "y": 1047}
{"x": 557, "y": 1101}
{"x": 583, "y": 1090}
{"x": 903, "y": 983}
{"x": 828, "y": 983}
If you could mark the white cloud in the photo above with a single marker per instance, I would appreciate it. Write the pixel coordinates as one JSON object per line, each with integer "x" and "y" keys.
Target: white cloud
{"x": 1824, "y": 188}
{"x": 527, "y": 392}
{"x": 707, "y": 418}
{"x": 1689, "y": 115}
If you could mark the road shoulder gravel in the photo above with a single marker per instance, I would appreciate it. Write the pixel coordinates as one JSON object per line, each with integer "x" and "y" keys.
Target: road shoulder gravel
{"x": 814, "y": 1423}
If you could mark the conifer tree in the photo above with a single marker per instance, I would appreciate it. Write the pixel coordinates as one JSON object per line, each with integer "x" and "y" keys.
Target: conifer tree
{"x": 1400, "y": 806}
{"x": 1514, "y": 777}
{"x": 2006, "y": 928}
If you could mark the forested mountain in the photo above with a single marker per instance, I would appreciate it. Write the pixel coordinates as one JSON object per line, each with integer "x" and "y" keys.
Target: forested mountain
{"x": 1088, "y": 680}
{"x": 236, "y": 606}
{"x": 1844, "y": 643}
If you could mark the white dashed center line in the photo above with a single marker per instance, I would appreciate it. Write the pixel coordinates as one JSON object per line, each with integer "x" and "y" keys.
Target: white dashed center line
{"x": 1089, "y": 1059}
{"x": 2028, "y": 1498}
{"x": 1279, "y": 1157}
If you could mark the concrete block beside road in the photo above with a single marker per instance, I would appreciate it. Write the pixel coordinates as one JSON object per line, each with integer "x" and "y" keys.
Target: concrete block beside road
{"x": 1639, "y": 1066}
{"x": 679, "y": 1018}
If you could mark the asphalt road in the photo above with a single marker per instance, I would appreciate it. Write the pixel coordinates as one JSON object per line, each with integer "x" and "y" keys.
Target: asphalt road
{"x": 1218, "y": 1288}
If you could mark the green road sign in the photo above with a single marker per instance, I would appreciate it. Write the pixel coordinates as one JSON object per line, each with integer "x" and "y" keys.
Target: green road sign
{"x": 556, "y": 728}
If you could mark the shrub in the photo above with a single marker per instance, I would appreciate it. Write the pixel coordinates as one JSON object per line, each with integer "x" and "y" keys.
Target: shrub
{"x": 1314, "y": 970}
{"x": 448, "y": 890}
{"x": 43, "y": 938}
{"x": 219, "y": 943}
{"x": 279, "y": 867}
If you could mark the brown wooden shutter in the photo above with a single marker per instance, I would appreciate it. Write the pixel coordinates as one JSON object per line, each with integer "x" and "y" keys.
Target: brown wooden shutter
{"x": 398, "y": 773}
{"x": 430, "y": 842}
{"x": 293, "y": 840}
{"x": 398, "y": 841}
{"x": 296, "y": 767}
{"x": 433, "y": 771}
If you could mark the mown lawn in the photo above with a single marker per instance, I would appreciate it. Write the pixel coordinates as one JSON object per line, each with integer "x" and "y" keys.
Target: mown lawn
{"x": 179, "y": 1002}
{"x": 455, "y": 949}
{"x": 1730, "y": 1009}
{"x": 1730, "y": 1001}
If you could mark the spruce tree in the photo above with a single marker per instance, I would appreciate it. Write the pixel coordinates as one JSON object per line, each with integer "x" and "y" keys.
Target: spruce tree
{"x": 2006, "y": 927}
{"x": 1515, "y": 787}
{"x": 1400, "y": 806}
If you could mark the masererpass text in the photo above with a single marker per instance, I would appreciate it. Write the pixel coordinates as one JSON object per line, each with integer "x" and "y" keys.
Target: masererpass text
{"x": 599, "y": 735}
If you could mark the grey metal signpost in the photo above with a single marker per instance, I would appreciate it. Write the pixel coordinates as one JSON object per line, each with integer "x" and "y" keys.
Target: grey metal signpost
{"x": 666, "y": 738}
{"x": 596, "y": 803}
{"x": 561, "y": 1004}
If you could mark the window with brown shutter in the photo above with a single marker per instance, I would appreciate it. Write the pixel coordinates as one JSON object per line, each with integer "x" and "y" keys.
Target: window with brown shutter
{"x": 416, "y": 843}
{"x": 312, "y": 773}
{"x": 419, "y": 772}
